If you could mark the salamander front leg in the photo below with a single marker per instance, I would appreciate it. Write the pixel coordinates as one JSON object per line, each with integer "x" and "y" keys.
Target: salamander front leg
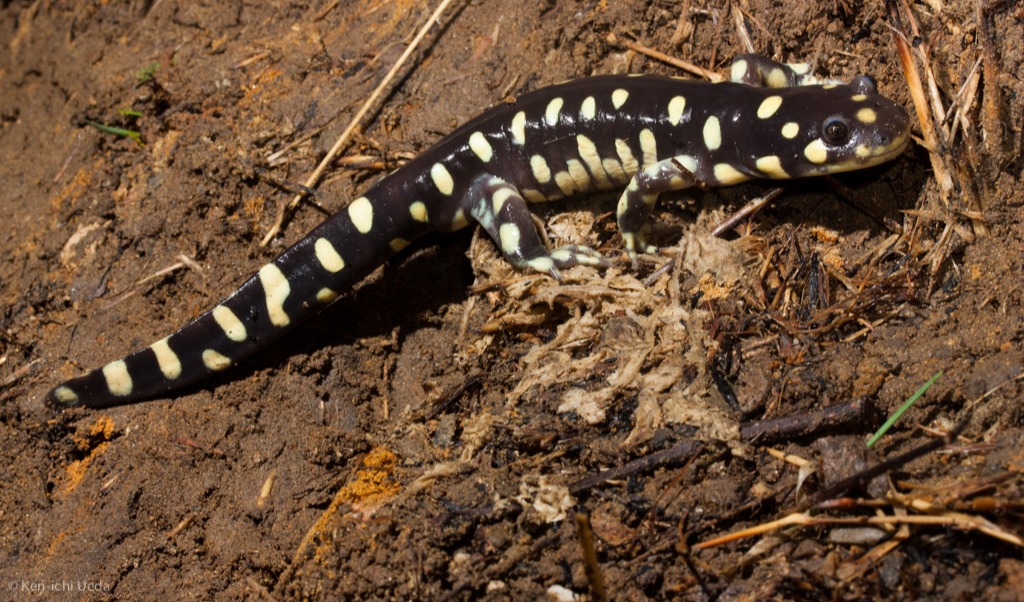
{"x": 638, "y": 200}
{"x": 502, "y": 211}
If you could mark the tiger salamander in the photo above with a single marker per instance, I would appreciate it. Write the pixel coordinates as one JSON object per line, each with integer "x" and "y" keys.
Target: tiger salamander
{"x": 643, "y": 134}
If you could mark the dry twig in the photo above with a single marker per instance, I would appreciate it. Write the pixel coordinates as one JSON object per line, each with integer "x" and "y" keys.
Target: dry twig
{"x": 345, "y": 135}
{"x": 687, "y": 66}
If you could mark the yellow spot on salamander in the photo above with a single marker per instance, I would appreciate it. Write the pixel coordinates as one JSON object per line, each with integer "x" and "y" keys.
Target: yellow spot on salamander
{"x": 562, "y": 255}
{"x": 541, "y": 171}
{"x": 542, "y": 264}
{"x": 480, "y": 147}
{"x": 499, "y": 197}
{"x": 790, "y": 130}
{"x": 397, "y": 244}
{"x": 777, "y": 78}
{"x": 276, "y": 289}
{"x": 518, "y": 128}
{"x": 65, "y": 395}
{"x": 167, "y": 359}
{"x": 629, "y": 163}
{"x": 727, "y": 174}
{"x": 565, "y": 183}
{"x": 442, "y": 179}
{"x": 360, "y": 211}
{"x": 552, "y": 111}
{"x": 799, "y": 68}
{"x": 533, "y": 195}
{"x": 589, "y": 108}
{"x": 215, "y": 361}
{"x": 866, "y": 115}
{"x": 229, "y": 323}
{"x": 579, "y": 174}
{"x": 619, "y": 98}
{"x": 459, "y": 220}
{"x": 418, "y": 211}
{"x": 649, "y": 147}
{"x": 769, "y": 106}
{"x": 509, "y": 236}
{"x": 689, "y": 163}
{"x": 771, "y": 166}
{"x": 676, "y": 106}
{"x": 328, "y": 256}
{"x": 588, "y": 152}
{"x": 119, "y": 381}
{"x": 712, "y": 133}
{"x": 614, "y": 170}
{"x": 326, "y": 295}
{"x": 738, "y": 71}
{"x": 816, "y": 152}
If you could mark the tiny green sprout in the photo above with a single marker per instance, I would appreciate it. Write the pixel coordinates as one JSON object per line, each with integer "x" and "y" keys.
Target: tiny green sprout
{"x": 146, "y": 73}
{"x": 136, "y": 136}
{"x": 903, "y": 409}
{"x": 130, "y": 112}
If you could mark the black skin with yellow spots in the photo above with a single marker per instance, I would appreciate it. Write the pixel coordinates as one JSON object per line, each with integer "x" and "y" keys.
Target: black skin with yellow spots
{"x": 643, "y": 134}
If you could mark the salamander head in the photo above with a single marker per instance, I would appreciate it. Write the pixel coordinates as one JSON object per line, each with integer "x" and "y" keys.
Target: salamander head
{"x": 817, "y": 130}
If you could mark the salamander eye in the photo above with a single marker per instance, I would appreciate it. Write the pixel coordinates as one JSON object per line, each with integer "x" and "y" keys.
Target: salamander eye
{"x": 835, "y": 130}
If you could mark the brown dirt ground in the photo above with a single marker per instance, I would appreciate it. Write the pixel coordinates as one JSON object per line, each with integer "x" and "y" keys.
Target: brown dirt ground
{"x": 418, "y": 440}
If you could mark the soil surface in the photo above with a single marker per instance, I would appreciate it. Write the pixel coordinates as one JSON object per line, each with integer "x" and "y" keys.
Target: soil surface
{"x": 442, "y": 431}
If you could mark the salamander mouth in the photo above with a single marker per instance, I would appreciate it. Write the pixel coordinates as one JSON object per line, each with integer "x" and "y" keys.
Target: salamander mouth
{"x": 888, "y": 152}
{"x": 865, "y": 155}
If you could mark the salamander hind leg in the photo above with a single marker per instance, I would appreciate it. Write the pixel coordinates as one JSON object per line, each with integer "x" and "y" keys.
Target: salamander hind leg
{"x": 499, "y": 207}
{"x": 762, "y": 72}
